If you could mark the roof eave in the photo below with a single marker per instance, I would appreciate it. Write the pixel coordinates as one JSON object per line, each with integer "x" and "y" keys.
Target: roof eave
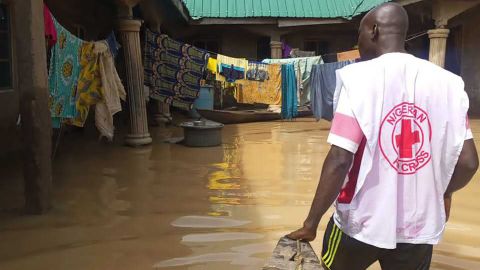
{"x": 280, "y": 22}
{"x": 180, "y": 5}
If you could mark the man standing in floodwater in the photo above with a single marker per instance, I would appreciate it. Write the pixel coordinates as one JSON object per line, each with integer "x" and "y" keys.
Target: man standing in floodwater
{"x": 401, "y": 146}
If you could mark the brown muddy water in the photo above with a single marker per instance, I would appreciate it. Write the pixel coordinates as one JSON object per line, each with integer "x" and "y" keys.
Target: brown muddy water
{"x": 172, "y": 207}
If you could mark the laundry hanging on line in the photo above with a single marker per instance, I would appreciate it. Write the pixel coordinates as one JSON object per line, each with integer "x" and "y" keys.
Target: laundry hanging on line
{"x": 50, "y": 30}
{"x": 113, "y": 91}
{"x": 239, "y": 64}
{"x": 113, "y": 44}
{"x": 63, "y": 75}
{"x": 257, "y": 71}
{"x": 263, "y": 92}
{"x": 348, "y": 56}
{"x": 81, "y": 75}
{"x": 296, "y": 53}
{"x": 323, "y": 81}
{"x": 303, "y": 68}
{"x": 173, "y": 70}
{"x": 289, "y": 92}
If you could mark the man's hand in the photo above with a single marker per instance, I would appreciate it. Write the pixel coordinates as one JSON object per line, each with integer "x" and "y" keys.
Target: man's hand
{"x": 448, "y": 206}
{"x": 304, "y": 233}
{"x": 335, "y": 169}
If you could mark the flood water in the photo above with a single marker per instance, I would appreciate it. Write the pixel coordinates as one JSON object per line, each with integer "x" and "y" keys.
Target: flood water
{"x": 172, "y": 207}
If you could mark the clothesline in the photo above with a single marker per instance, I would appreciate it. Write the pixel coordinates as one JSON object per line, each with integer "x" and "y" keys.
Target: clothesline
{"x": 417, "y": 35}
{"x": 410, "y": 38}
{"x": 256, "y": 60}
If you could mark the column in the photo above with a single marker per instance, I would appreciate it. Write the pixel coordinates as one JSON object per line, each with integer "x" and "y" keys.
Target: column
{"x": 438, "y": 45}
{"x": 36, "y": 122}
{"x": 163, "y": 113}
{"x": 276, "y": 47}
{"x": 129, "y": 30}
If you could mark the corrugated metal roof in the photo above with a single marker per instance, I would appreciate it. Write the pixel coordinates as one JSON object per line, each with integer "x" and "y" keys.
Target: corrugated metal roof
{"x": 279, "y": 8}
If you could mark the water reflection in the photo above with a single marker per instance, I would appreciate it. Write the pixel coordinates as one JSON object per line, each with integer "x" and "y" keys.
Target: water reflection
{"x": 173, "y": 207}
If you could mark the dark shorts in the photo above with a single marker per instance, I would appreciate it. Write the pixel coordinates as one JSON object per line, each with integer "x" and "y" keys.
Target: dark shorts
{"x": 341, "y": 252}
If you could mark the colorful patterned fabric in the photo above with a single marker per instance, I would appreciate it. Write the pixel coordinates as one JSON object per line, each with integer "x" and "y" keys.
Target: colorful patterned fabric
{"x": 266, "y": 92}
{"x": 238, "y": 63}
{"x": 303, "y": 68}
{"x": 257, "y": 71}
{"x": 173, "y": 70}
{"x": 64, "y": 72}
{"x": 231, "y": 73}
{"x": 89, "y": 89}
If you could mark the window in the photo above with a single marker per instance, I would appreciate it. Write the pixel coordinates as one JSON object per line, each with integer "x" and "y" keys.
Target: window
{"x": 6, "y": 80}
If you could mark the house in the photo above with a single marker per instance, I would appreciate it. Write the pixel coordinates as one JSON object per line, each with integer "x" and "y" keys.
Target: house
{"x": 23, "y": 77}
{"x": 443, "y": 31}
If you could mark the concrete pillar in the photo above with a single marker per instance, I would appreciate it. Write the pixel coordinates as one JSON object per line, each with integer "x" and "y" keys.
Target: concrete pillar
{"x": 36, "y": 124}
{"x": 129, "y": 30}
{"x": 438, "y": 45}
{"x": 276, "y": 47}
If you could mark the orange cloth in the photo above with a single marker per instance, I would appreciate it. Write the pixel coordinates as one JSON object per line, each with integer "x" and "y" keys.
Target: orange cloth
{"x": 266, "y": 92}
{"x": 348, "y": 55}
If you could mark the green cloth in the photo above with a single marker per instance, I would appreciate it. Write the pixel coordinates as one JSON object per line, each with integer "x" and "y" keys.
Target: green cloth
{"x": 289, "y": 87}
{"x": 63, "y": 77}
{"x": 303, "y": 69}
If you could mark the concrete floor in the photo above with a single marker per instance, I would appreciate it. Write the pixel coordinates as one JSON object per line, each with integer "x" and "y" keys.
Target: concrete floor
{"x": 172, "y": 207}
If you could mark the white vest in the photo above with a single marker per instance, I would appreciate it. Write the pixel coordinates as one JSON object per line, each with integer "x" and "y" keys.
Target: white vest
{"x": 413, "y": 115}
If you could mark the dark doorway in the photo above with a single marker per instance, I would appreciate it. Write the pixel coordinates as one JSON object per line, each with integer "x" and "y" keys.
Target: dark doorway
{"x": 263, "y": 48}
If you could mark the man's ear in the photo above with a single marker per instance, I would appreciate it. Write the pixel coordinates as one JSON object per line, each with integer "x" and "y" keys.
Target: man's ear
{"x": 375, "y": 32}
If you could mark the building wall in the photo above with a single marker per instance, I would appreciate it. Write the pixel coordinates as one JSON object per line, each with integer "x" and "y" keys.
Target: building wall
{"x": 471, "y": 62}
{"x": 242, "y": 45}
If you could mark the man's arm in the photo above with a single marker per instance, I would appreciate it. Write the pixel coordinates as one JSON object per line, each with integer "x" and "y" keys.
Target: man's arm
{"x": 335, "y": 170}
{"x": 465, "y": 169}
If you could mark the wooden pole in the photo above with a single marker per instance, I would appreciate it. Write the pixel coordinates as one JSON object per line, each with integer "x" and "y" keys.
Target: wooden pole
{"x": 31, "y": 67}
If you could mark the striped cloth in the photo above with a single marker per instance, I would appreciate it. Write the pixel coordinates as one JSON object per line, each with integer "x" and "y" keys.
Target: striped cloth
{"x": 173, "y": 70}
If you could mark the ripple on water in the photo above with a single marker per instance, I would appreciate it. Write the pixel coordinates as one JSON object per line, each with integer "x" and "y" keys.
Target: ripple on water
{"x": 207, "y": 222}
{"x": 218, "y": 237}
{"x": 241, "y": 255}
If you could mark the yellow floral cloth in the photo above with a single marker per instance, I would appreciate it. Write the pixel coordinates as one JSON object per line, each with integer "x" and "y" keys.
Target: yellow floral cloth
{"x": 266, "y": 92}
{"x": 89, "y": 89}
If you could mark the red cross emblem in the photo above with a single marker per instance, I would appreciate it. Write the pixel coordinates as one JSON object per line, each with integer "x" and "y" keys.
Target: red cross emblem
{"x": 407, "y": 139}
{"x": 404, "y": 133}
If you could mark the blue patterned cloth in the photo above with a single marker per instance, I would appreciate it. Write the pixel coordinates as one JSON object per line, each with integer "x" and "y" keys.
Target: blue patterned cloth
{"x": 113, "y": 44}
{"x": 173, "y": 70}
{"x": 63, "y": 76}
{"x": 289, "y": 92}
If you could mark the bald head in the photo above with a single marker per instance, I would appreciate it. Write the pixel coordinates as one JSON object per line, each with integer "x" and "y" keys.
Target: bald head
{"x": 383, "y": 30}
